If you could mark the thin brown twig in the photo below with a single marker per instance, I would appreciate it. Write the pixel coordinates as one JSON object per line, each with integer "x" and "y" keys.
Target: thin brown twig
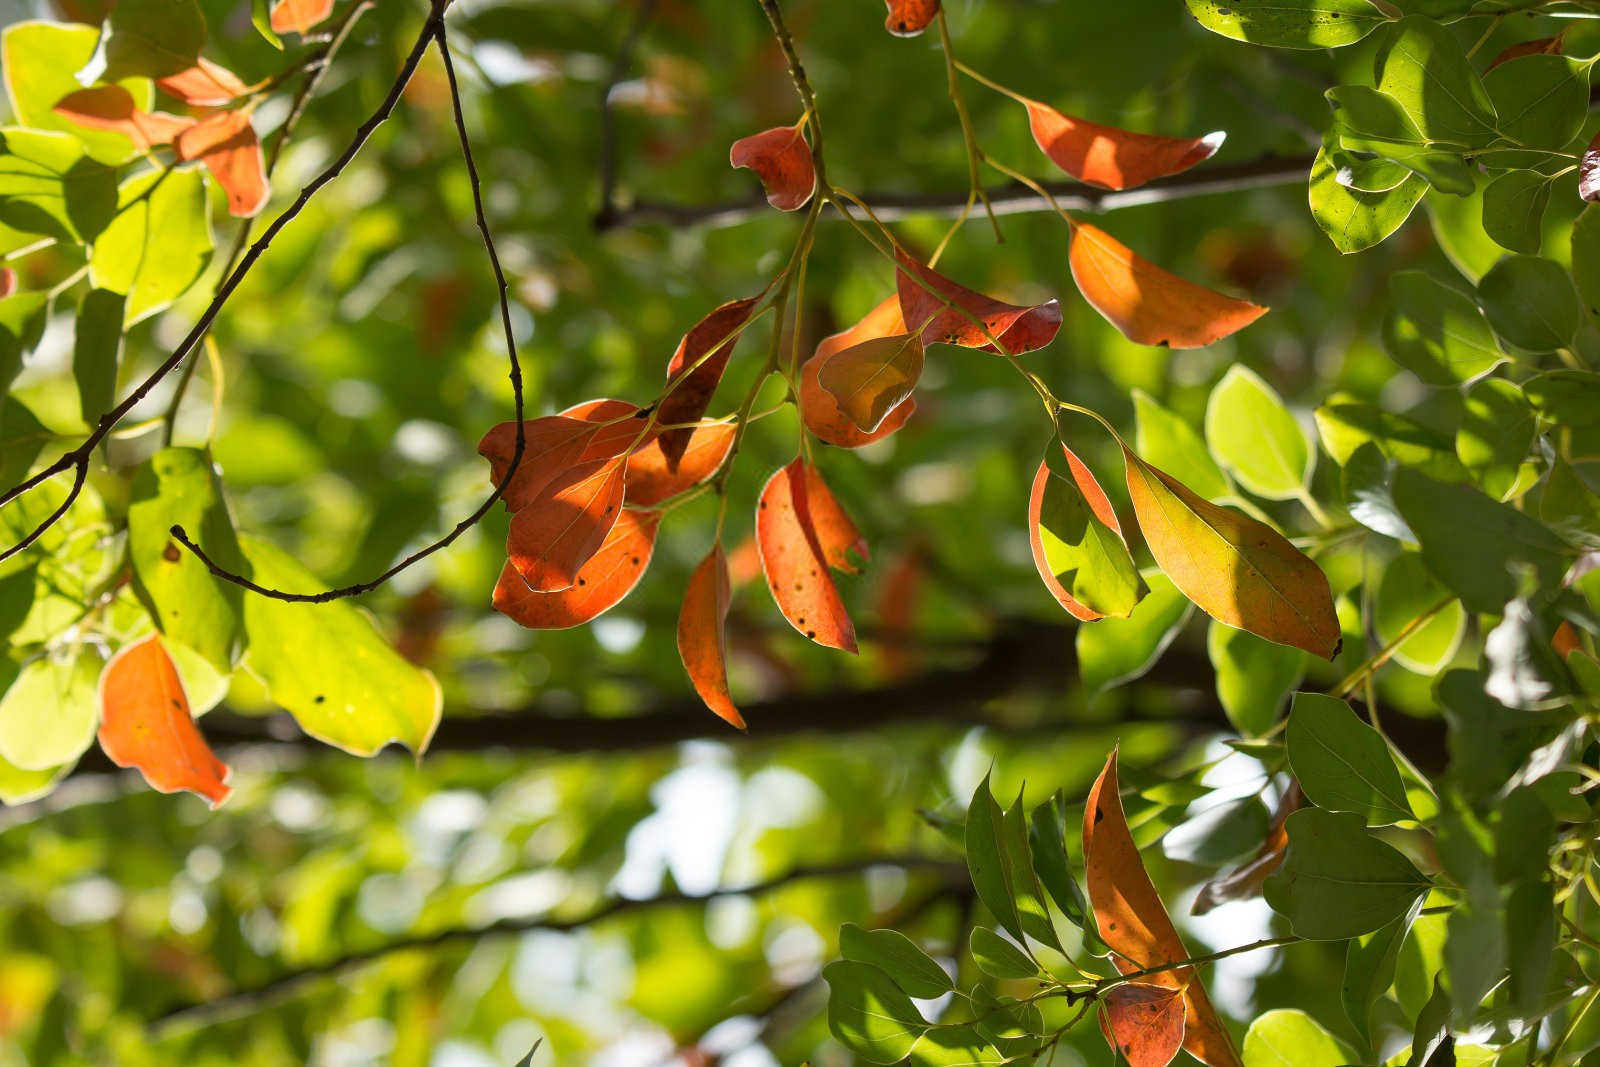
{"x": 607, "y": 212}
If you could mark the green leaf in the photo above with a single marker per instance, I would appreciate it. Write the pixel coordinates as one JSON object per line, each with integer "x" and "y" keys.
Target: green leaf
{"x": 1435, "y": 332}
{"x": 1337, "y": 880}
{"x": 1406, "y": 591}
{"x": 1531, "y": 303}
{"x": 897, "y": 956}
{"x": 1496, "y": 432}
{"x": 153, "y": 38}
{"x": 328, "y": 665}
{"x": 1253, "y": 676}
{"x": 1168, "y": 442}
{"x": 1568, "y": 397}
{"x": 957, "y": 1046}
{"x": 1474, "y": 948}
{"x": 1586, "y": 257}
{"x": 1368, "y": 485}
{"x": 1288, "y": 1037}
{"x": 998, "y": 957}
{"x": 261, "y": 19}
{"x": 49, "y": 186}
{"x": 1476, "y": 568}
{"x": 1530, "y": 938}
{"x": 1568, "y": 506}
{"x": 22, "y": 438}
{"x": 40, "y": 61}
{"x": 1523, "y": 836}
{"x": 1540, "y": 100}
{"x": 869, "y": 1014}
{"x": 1027, "y": 892}
{"x": 1087, "y": 557}
{"x": 97, "y": 351}
{"x": 179, "y": 486}
{"x": 159, "y": 243}
{"x": 1487, "y": 741}
{"x": 22, "y": 322}
{"x": 49, "y": 713}
{"x": 1289, "y": 23}
{"x": 1342, "y": 763}
{"x": 1513, "y": 209}
{"x": 1368, "y": 174}
{"x": 1013, "y": 1026}
{"x": 18, "y": 786}
{"x": 1253, "y": 435}
{"x": 1047, "y": 842}
{"x": 1346, "y": 426}
{"x": 1423, "y": 67}
{"x": 1372, "y": 122}
{"x": 1354, "y": 220}
{"x": 1114, "y": 651}
{"x": 1432, "y": 1030}
{"x": 1457, "y": 224}
{"x": 987, "y": 862}
{"x": 1369, "y": 968}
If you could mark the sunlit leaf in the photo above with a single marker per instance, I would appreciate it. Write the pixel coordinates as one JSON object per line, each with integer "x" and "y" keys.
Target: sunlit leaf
{"x": 153, "y": 38}
{"x": 702, "y": 634}
{"x": 601, "y": 583}
{"x": 145, "y": 724}
{"x": 299, "y": 16}
{"x": 1422, "y": 66}
{"x": 1143, "y": 1022}
{"x": 820, "y": 410}
{"x": 1342, "y": 763}
{"x": 1252, "y": 433}
{"x": 781, "y": 158}
{"x": 111, "y": 107}
{"x": 1288, "y": 1037}
{"x": 1113, "y": 158}
{"x": 1114, "y": 651}
{"x": 998, "y": 957}
{"x": 49, "y": 186}
{"x": 40, "y": 61}
{"x": 1077, "y": 541}
{"x": 226, "y": 142}
{"x": 697, "y": 368}
{"x": 158, "y": 244}
{"x": 898, "y": 956}
{"x": 944, "y": 312}
{"x": 907, "y": 18}
{"x": 206, "y": 84}
{"x": 869, "y": 380}
{"x": 555, "y": 444}
{"x": 1289, "y": 23}
{"x": 841, "y": 543}
{"x": 49, "y": 710}
{"x": 869, "y": 1014}
{"x": 553, "y": 537}
{"x": 793, "y": 561}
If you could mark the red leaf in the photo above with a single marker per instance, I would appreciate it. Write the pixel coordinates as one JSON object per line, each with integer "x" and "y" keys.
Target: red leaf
{"x": 145, "y": 724}
{"x": 1143, "y": 1023}
{"x": 836, "y": 534}
{"x": 551, "y": 539}
{"x": 1589, "y": 171}
{"x": 688, "y": 400}
{"x": 1544, "y": 46}
{"x": 298, "y": 16}
{"x": 1019, "y": 329}
{"x": 111, "y": 107}
{"x": 1113, "y": 158}
{"x": 702, "y": 634}
{"x": 869, "y": 380}
{"x": 782, "y": 160}
{"x": 8, "y": 282}
{"x": 554, "y": 444}
{"x": 907, "y": 18}
{"x": 794, "y": 563}
{"x": 227, "y": 143}
{"x": 1149, "y": 305}
{"x": 1098, "y": 503}
{"x": 206, "y": 84}
{"x": 821, "y": 411}
{"x": 651, "y": 479}
{"x": 601, "y": 583}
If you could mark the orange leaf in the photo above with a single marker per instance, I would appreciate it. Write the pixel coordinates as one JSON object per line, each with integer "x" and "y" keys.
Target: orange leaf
{"x": 145, "y": 724}
{"x": 794, "y": 563}
{"x": 702, "y": 634}
{"x": 782, "y": 160}
{"x": 1143, "y": 1023}
{"x": 553, "y": 538}
{"x": 1151, "y": 306}
{"x": 111, "y": 107}
{"x": 869, "y": 380}
{"x": 595, "y": 430}
{"x": 1134, "y": 922}
{"x": 227, "y": 143}
{"x": 907, "y": 18}
{"x": 651, "y": 479}
{"x": 601, "y": 583}
{"x": 1113, "y": 158}
{"x": 688, "y": 400}
{"x": 298, "y": 16}
{"x": 818, "y": 407}
{"x": 836, "y": 533}
{"x": 926, "y": 304}
{"x": 1245, "y": 880}
{"x": 206, "y": 84}
{"x": 1098, "y": 503}
{"x": 1239, "y": 571}
{"x": 1565, "y": 640}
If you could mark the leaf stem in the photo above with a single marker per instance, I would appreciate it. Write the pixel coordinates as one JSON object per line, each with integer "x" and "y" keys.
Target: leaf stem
{"x": 1383, "y": 655}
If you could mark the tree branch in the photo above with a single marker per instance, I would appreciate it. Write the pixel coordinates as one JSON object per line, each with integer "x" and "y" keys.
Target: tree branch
{"x": 244, "y": 1002}
{"x": 606, "y": 212}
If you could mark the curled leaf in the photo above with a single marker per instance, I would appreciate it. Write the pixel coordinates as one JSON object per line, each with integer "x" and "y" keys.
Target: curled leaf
{"x": 781, "y": 158}
{"x": 1239, "y": 571}
{"x": 696, "y": 368}
{"x": 1245, "y": 881}
{"x": 206, "y": 84}
{"x": 1077, "y": 541}
{"x": 596, "y": 430}
{"x": 1143, "y": 1023}
{"x": 227, "y": 144}
{"x": 553, "y": 538}
{"x": 836, "y": 533}
{"x": 601, "y": 583}
{"x": 651, "y": 478}
{"x": 944, "y": 312}
{"x": 1135, "y": 924}
{"x": 1113, "y": 158}
{"x": 111, "y": 107}
{"x": 794, "y": 564}
{"x": 818, "y": 407}
{"x": 1151, "y": 306}
{"x": 907, "y": 18}
{"x": 702, "y": 634}
{"x": 299, "y": 16}
{"x": 869, "y": 380}
{"x": 145, "y": 724}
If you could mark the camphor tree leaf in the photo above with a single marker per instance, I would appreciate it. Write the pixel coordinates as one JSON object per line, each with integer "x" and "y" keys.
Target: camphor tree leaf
{"x": 226, "y": 143}
{"x": 1077, "y": 542}
{"x": 206, "y": 84}
{"x": 22, "y": 322}
{"x": 48, "y": 713}
{"x": 837, "y": 536}
{"x": 1288, "y": 1037}
{"x": 111, "y": 107}
{"x": 793, "y": 561}
{"x": 158, "y": 244}
{"x": 1143, "y": 1022}
{"x": 1435, "y": 332}
{"x": 1151, "y": 306}
{"x": 897, "y": 956}
{"x": 1369, "y": 968}
{"x": 1539, "y": 100}
{"x": 1337, "y": 880}
{"x": 1109, "y": 157}
{"x": 1000, "y": 861}
{"x": 1165, "y": 440}
{"x": 943, "y": 312}
{"x": 696, "y": 368}
{"x": 1423, "y": 68}
{"x": 1355, "y": 220}
{"x": 40, "y": 61}
{"x": 1237, "y": 570}
{"x": 907, "y": 18}
{"x": 998, "y": 957}
{"x": 818, "y": 407}
{"x": 869, "y": 380}
{"x": 1253, "y": 435}
{"x": 1253, "y": 676}
{"x": 299, "y": 16}
{"x": 1406, "y": 591}
{"x": 1343, "y": 764}
{"x": 1289, "y": 23}
{"x": 1497, "y": 430}
{"x": 145, "y": 724}
{"x": 329, "y": 667}
{"x": 554, "y": 537}
{"x": 1134, "y": 922}
{"x": 1114, "y": 651}
{"x": 49, "y": 186}
{"x": 1513, "y": 209}
{"x": 153, "y": 38}
{"x": 1531, "y": 303}
{"x": 1245, "y": 881}
{"x": 1012, "y": 1026}
{"x": 601, "y": 583}
{"x": 702, "y": 634}
{"x": 781, "y": 158}
{"x": 586, "y": 433}
{"x": 1047, "y": 844}
{"x": 869, "y": 1014}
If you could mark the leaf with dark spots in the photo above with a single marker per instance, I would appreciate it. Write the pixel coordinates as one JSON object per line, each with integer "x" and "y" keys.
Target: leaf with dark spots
{"x": 601, "y": 583}
{"x": 1143, "y": 1022}
{"x": 781, "y": 158}
{"x": 695, "y": 371}
{"x": 948, "y": 313}
{"x": 702, "y": 634}
{"x": 553, "y": 538}
{"x": 794, "y": 564}
{"x": 1113, "y": 158}
{"x": 907, "y": 18}
{"x": 836, "y": 533}
{"x": 145, "y": 724}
